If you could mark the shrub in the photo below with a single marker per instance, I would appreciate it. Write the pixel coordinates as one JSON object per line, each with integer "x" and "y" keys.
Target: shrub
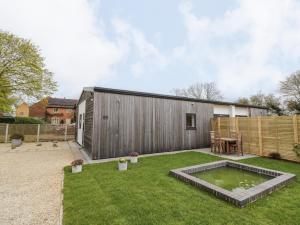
{"x": 122, "y": 160}
{"x": 17, "y": 136}
{"x": 275, "y": 155}
{"x": 296, "y": 149}
{"x": 21, "y": 120}
{"x": 133, "y": 154}
{"x": 77, "y": 162}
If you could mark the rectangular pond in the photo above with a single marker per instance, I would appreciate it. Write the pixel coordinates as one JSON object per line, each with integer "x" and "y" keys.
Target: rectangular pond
{"x": 232, "y": 179}
{"x": 234, "y": 182}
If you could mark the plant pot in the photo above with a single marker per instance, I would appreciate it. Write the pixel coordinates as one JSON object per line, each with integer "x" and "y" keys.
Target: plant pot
{"x": 16, "y": 142}
{"x": 133, "y": 159}
{"x": 76, "y": 169}
{"x": 122, "y": 166}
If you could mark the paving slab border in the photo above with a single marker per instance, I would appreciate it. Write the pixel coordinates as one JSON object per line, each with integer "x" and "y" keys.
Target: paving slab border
{"x": 239, "y": 198}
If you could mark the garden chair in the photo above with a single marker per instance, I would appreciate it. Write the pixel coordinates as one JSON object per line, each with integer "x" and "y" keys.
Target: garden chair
{"x": 237, "y": 146}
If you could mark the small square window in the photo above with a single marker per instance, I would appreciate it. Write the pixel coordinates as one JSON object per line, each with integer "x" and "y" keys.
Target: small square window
{"x": 191, "y": 121}
{"x": 55, "y": 109}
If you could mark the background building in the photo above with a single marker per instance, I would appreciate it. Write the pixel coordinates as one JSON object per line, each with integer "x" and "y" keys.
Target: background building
{"x": 22, "y": 110}
{"x": 112, "y": 123}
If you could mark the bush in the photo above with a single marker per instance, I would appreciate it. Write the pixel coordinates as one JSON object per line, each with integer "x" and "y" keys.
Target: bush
{"x": 122, "y": 160}
{"x": 77, "y": 162}
{"x": 21, "y": 120}
{"x": 296, "y": 149}
{"x": 133, "y": 154}
{"x": 17, "y": 136}
{"x": 275, "y": 155}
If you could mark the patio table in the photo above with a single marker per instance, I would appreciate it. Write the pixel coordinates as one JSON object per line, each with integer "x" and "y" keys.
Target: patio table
{"x": 228, "y": 140}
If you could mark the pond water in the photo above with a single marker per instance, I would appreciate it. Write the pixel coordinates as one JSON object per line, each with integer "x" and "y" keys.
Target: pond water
{"x": 232, "y": 179}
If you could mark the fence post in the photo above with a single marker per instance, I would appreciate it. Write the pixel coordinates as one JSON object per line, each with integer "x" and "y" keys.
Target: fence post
{"x": 66, "y": 131}
{"x": 6, "y": 133}
{"x": 259, "y": 135}
{"x": 295, "y": 126}
{"x": 237, "y": 124}
{"x": 219, "y": 125}
{"x": 38, "y": 133}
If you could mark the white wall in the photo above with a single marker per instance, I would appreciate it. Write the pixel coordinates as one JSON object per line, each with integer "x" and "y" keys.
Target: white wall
{"x": 222, "y": 109}
{"x": 231, "y": 110}
{"x": 241, "y": 111}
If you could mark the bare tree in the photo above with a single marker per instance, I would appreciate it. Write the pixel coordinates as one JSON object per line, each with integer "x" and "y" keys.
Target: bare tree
{"x": 290, "y": 88}
{"x": 244, "y": 101}
{"x": 207, "y": 91}
{"x": 273, "y": 103}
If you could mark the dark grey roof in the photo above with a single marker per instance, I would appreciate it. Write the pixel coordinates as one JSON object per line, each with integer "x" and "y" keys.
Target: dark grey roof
{"x": 146, "y": 94}
{"x": 62, "y": 102}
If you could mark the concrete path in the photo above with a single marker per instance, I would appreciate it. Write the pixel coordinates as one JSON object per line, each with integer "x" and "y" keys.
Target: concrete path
{"x": 227, "y": 156}
{"x": 202, "y": 150}
{"x": 31, "y": 182}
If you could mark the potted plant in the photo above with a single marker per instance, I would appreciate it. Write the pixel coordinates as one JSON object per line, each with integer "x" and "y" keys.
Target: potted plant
{"x": 77, "y": 166}
{"x": 133, "y": 157}
{"x": 122, "y": 164}
{"x": 16, "y": 139}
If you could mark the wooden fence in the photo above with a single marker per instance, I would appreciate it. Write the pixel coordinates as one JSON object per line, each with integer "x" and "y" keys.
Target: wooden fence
{"x": 38, "y": 132}
{"x": 263, "y": 135}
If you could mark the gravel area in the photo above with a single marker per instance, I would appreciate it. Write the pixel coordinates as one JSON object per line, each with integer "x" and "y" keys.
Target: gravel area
{"x": 31, "y": 182}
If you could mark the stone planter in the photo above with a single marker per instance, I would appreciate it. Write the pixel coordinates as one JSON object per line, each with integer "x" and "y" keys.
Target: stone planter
{"x": 16, "y": 142}
{"x": 133, "y": 159}
{"x": 122, "y": 166}
{"x": 76, "y": 169}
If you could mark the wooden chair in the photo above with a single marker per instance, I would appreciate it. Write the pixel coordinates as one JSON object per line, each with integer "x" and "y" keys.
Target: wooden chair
{"x": 218, "y": 143}
{"x": 238, "y": 145}
{"x": 215, "y": 142}
{"x": 212, "y": 141}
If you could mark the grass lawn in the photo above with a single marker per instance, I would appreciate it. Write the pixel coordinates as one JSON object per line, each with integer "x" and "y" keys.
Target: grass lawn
{"x": 146, "y": 194}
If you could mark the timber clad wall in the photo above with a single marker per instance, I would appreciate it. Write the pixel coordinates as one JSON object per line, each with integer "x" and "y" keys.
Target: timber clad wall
{"x": 125, "y": 123}
{"x": 257, "y": 112}
{"x": 263, "y": 135}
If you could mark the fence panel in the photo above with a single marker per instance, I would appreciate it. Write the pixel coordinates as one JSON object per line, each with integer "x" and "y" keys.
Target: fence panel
{"x": 28, "y": 130}
{"x": 263, "y": 135}
{"x": 39, "y": 132}
{"x": 2, "y": 132}
{"x": 50, "y": 132}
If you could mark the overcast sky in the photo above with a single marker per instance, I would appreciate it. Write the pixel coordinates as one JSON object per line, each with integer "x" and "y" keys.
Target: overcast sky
{"x": 154, "y": 46}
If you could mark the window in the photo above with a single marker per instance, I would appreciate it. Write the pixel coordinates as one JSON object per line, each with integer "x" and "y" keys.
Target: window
{"x": 55, "y": 120}
{"x": 80, "y": 118}
{"x": 55, "y": 109}
{"x": 191, "y": 121}
{"x": 220, "y": 115}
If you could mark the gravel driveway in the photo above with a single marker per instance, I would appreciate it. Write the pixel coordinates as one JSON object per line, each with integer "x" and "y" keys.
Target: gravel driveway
{"x": 31, "y": 182}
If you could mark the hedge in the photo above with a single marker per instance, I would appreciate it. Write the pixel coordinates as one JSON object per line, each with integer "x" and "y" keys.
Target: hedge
{"x": 21, "y": 120}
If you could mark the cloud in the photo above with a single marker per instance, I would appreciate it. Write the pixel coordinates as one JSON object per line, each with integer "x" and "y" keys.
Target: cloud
{"x": 145, "y": 53}
{"x": 70, "y": 37}
{"x": 248, "y": 48}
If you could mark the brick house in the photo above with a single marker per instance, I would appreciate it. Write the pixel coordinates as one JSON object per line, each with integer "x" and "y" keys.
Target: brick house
{"x": 61, "y": 110}
{"x": 38, "y": 109}
{"x": 54, "y": 110}
{"x": 22, "y": 110}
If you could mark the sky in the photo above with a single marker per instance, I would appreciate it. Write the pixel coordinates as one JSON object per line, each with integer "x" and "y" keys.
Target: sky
{"x": 245, "y": 46}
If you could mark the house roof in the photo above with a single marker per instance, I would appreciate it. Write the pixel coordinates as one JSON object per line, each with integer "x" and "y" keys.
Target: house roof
{"x": 146, "y": 94}
{"x": 62, "y": 102}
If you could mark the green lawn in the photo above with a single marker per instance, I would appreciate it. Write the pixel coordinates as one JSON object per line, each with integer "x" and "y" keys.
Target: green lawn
{"x": 146, "y": 194}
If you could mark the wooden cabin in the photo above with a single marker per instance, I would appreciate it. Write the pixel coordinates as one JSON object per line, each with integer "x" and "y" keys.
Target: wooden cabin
{"x": 111, "y": 122}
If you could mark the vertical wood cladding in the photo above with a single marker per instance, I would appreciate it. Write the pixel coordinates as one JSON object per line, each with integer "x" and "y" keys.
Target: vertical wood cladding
{"x": 125, "y": 123}
{"x": 258, "y": 112}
